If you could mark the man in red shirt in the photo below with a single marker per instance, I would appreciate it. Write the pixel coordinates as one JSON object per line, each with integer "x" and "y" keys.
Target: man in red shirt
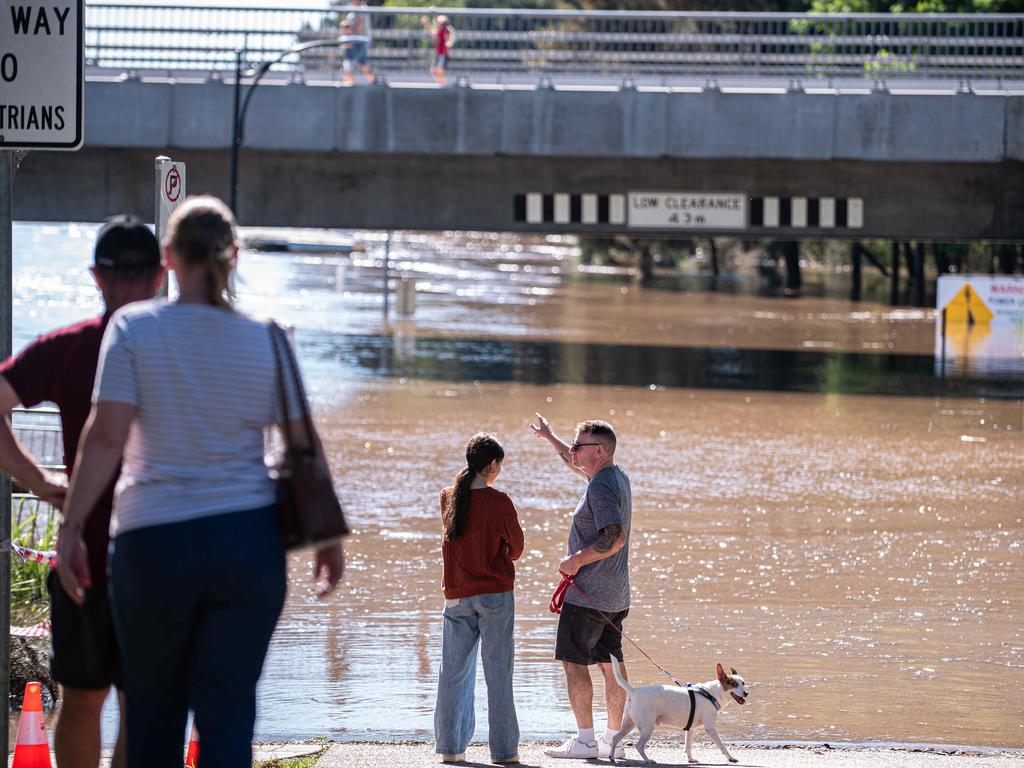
{"x": 59, "y": 368}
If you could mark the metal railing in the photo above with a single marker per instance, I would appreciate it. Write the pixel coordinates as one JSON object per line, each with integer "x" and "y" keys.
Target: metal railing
{"x": 33, "y": 521}
{"x": 511, "y": 43}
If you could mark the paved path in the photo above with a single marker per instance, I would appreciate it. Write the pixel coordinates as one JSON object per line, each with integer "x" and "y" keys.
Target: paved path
{"x": 670, "y": 755}
{"x": 261, "y": 752}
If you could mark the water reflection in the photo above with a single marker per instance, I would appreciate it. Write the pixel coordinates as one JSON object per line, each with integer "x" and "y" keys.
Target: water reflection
{"x": 538, "y": 362}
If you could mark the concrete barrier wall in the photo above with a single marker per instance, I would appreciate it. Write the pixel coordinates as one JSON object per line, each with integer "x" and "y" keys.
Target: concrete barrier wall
{"x": 878, "y": 126}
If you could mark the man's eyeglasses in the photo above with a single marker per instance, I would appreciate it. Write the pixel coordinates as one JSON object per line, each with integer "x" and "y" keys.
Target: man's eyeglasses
{"x": 577, "y": 445}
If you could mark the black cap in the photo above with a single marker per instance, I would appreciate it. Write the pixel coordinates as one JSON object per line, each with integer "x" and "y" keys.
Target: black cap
{"x": 125, "y": 242}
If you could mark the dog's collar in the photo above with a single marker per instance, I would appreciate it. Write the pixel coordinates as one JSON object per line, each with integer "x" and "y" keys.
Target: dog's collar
{"x": 702, "y": 691}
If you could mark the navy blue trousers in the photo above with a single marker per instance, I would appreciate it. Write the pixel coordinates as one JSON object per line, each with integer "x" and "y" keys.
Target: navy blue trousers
{"x": 195, "y": 604}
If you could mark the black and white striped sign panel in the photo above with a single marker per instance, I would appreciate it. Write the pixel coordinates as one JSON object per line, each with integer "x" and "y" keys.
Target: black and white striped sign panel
{"x": 762, "y": 212}
{"x": 565, "y": 208}
{"x": 807, "y": 212}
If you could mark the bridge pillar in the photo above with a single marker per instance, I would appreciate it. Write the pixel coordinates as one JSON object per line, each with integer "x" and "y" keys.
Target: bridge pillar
{"x": 894, "y": 275}
{"x": 791, "y": 254}
{"x": 855, "y": 272}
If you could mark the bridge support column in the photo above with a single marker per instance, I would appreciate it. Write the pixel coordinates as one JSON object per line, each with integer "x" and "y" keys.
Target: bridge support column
{"x": 894, "y": 275}
{"x": 915, "y": 258}
{"x": 791, "y": 253}
{"x": 855, "y": 272}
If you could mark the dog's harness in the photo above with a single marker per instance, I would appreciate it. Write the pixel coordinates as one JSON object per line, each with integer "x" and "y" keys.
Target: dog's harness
{"x": 698, "y": 690}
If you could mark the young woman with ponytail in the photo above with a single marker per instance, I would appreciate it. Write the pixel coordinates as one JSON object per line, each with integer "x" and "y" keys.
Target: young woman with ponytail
{"x": 184, "y": 391}
{"x": 481, "y": 536}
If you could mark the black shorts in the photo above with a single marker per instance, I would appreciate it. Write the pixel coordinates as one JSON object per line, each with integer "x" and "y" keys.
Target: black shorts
{"x": 584, "y": 637}
{"x": 84, "y": 651}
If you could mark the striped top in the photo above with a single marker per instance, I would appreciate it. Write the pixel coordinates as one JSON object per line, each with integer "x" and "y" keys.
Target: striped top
{"x": 203, "y": 382}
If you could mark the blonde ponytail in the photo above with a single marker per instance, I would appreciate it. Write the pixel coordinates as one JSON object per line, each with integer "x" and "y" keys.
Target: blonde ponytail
{"x": 202, "y": 232}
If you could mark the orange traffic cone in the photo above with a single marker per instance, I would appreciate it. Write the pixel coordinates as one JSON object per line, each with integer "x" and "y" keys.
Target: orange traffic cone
{"x": 32, "y": 750}
{"x": 192, "y": 755}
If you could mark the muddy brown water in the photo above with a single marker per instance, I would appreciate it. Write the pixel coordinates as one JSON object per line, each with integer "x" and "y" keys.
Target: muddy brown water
{"x": 858, "y": 562}
{"x": 842, "y": 528}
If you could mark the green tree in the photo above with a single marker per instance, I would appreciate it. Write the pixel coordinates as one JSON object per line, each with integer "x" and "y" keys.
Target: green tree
{"x": 920, "y": 6}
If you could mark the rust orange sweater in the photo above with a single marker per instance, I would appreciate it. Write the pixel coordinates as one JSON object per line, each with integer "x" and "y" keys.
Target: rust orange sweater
{"x": 479, "y": 562}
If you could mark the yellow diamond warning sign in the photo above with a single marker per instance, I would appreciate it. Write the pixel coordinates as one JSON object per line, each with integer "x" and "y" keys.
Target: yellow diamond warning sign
{"x": 967, "y": 307}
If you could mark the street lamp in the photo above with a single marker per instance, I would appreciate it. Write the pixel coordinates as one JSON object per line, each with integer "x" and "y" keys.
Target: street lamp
{"x": 238, "y": 125}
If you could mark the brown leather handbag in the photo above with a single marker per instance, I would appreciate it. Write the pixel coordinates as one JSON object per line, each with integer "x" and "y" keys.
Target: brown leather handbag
{"x": 309, "y": 509}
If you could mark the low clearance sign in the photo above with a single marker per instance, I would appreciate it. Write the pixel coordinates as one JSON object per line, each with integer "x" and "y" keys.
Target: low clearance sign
{"x": 41, "y": 75}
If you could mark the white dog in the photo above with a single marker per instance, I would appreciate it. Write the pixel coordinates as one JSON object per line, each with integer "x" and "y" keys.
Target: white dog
{"x": 686, "y": 708}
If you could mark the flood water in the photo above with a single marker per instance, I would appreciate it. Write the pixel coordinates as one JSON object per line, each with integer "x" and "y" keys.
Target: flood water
{"x": 812, "y": 505}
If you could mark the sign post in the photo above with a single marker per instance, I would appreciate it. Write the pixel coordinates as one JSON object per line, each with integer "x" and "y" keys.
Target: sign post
{"x": 42, "y": 91}
{"x": 6, "y": 291}
{"x": 170, "y": 192}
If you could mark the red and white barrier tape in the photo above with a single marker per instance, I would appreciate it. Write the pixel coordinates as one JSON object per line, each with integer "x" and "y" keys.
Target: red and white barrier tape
{"x": 34, "y": 555}
{"x": 42, "y": 629}
{"x": 41, "y": 556}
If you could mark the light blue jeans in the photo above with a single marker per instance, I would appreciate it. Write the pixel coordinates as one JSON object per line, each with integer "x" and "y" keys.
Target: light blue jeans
{"x": 487, "y": 621}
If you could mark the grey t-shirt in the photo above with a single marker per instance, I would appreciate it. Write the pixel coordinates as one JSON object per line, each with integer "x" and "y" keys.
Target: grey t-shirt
{"x": 608, "y": 500}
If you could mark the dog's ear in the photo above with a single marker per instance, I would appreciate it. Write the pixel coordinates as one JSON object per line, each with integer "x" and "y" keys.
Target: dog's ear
{"x": 733, "y": 669}
{"x": 721, "y": 674}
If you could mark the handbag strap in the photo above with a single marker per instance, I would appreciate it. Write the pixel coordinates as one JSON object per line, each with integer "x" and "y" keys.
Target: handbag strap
{"x": 279, "y": 341}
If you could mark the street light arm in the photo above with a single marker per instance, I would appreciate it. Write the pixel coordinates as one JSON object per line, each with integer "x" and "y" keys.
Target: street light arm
{"x": 238, "y": 127}
{"x": 257, "y": 74}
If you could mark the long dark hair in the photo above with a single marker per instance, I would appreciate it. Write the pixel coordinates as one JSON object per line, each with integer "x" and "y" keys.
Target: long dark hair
{"x": 481, "y": 450}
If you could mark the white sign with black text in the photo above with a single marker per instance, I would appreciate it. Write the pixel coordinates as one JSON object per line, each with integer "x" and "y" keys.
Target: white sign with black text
{"x": 688, "y": 210}
{"x": 41, "y": 75}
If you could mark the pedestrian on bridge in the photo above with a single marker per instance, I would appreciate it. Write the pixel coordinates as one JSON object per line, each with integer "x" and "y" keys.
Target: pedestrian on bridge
{"x": 356, "y": 52}
{"x": 59, "y": 368}
{"x": 443, "y": 34}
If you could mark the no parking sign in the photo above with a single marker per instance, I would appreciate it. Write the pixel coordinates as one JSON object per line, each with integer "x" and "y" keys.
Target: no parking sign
{"x": 170, "y": 190}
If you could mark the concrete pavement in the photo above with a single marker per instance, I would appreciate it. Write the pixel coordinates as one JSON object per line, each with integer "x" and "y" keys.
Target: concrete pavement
{"x": 670, "y": 754}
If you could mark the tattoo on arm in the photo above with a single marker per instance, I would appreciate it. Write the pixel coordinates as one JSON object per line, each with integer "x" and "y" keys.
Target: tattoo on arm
{"x": 607, "y": 537}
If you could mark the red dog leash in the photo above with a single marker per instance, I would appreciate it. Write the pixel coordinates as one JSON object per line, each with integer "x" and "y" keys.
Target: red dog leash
{"x": 558, "y": 600}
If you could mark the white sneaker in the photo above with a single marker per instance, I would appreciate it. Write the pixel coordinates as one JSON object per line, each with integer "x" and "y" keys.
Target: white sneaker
{"x": 604, "y": 750}
{"x": 574, "y": 749}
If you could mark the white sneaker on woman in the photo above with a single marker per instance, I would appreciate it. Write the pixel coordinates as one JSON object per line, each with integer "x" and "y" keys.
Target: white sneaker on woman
{"x": 574, "y": 748}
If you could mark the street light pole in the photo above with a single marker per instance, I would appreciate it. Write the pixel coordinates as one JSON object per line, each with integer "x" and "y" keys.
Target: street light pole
{"x": 238, "y": 126}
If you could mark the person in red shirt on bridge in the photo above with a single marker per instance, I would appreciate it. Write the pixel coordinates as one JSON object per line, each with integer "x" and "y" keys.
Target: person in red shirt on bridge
{"x": 444, "y": 38}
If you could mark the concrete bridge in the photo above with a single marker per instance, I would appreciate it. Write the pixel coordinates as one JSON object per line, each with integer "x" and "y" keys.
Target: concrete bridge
{"x": 775, "y": 156}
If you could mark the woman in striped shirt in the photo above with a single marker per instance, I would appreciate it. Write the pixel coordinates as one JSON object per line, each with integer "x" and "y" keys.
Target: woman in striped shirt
{"x": 184, "y": 392}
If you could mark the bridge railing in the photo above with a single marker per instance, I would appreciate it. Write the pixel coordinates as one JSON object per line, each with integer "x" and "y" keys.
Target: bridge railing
{"x": 538, "y": 43}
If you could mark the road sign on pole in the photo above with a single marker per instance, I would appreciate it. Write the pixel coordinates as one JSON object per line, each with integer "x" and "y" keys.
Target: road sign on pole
{"x": 42, "y": 86}
{"x": 170, "y": 191}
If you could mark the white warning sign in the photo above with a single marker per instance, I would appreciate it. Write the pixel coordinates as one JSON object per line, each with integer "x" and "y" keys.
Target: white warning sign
{"x": 171, "y": 191}
{"x": 41, "y": 75}
{"x": 688, "y": 210}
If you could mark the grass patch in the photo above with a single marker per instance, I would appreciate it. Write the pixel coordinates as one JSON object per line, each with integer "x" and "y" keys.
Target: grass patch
{"x": 33, "y": 524}
{"x": 307, "y": 761}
